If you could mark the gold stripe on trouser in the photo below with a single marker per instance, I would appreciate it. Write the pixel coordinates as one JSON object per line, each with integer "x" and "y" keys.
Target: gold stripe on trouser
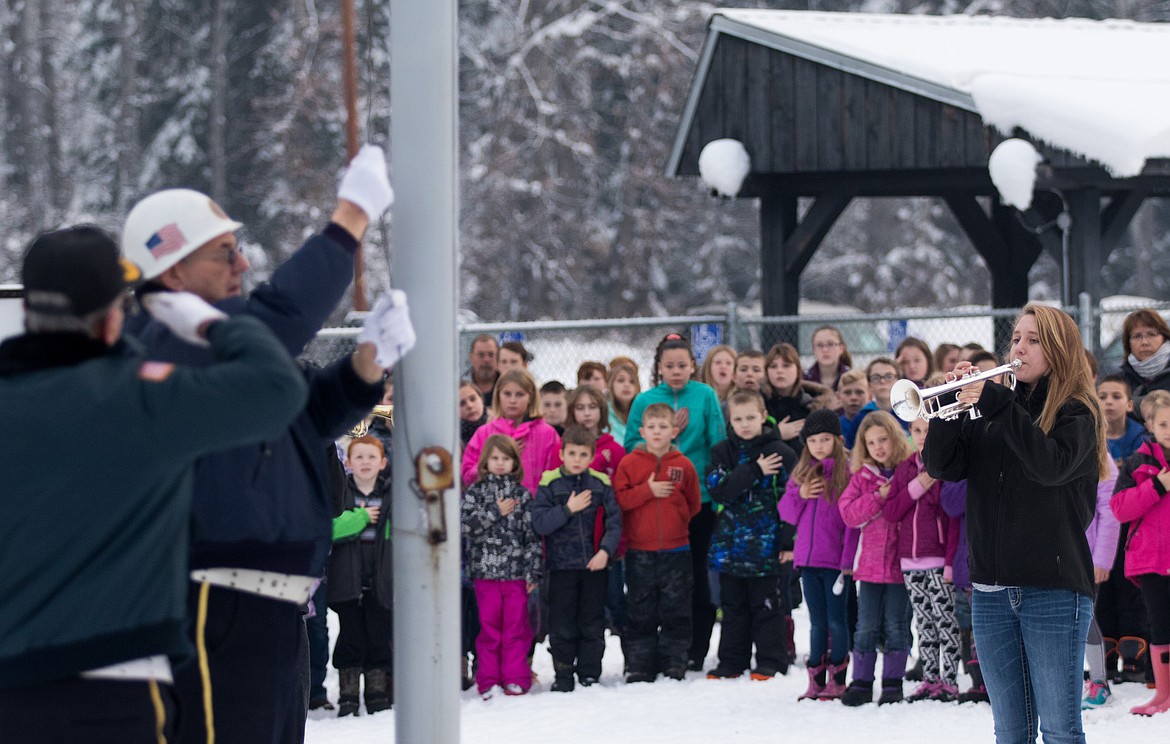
{"x": 160, "y": 712}
{"x": 204, "y": 667}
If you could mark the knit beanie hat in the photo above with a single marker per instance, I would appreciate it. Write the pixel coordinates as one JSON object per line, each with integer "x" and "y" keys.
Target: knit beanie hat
{"x": 822, "y": 421}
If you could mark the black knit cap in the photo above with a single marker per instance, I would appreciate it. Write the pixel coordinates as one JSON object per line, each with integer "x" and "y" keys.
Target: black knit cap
{"x": 74, "y": 271}
{"x": 822, "y": 421}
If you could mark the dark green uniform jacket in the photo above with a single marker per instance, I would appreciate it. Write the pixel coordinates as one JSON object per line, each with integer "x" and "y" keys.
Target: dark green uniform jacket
{"x": 96, "y": 452}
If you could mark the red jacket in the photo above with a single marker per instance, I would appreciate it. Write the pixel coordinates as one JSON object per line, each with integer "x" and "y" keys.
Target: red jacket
{"x": 651, "y": 523}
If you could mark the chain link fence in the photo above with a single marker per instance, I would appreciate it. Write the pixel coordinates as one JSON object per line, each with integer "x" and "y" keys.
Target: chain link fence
{"x": 559, "y": 347}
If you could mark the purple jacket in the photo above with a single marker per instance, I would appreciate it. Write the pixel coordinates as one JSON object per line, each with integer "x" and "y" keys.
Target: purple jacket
{"x": 822, "y": 539}
{"x": 953, "y": 499}
{"x": 1104, "y": 530}
{"x": 861, "y": 507}
{"x": 924, "y": 528}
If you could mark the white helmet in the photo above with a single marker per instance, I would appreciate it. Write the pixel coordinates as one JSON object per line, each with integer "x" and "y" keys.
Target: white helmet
{"x": 167, "y": 226}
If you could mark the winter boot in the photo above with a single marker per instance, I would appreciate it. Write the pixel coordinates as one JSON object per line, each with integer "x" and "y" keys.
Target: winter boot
{"x": 1161, "y": 700}
{"x": 468, "y": 678}
{"x": 563, "y": 677}
{"x": 978, "y": 691}
{"x": 1096, "y": 695}
{"x": 350, "y": 680}
{"x": 894, "y": 664}
{"x": 816, "y": 682}
{"x": 914, "y": 673}
{"x": 377, "y": 690}
{"x": 1133, "y": 651}
{"x": 1111, "y": 672}
{"x": 891, "y": 691}
{"x": 835, "y": 679}
{"x": 925, "y": 691}
{"x": 945, "y": 692}
{"x": 858, "y": 693}
{"x": 860, "y": 690}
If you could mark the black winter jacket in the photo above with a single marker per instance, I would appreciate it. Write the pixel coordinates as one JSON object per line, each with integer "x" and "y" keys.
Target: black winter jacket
{"x": 345, "y": 562}
{"x": 748, "y": 534}
{"x": 1030, "y": 495}
{"x": 571, "y": 540}
{"x": 94, "y": 545}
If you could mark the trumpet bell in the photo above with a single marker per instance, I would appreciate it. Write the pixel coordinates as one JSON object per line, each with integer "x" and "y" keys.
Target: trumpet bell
{"x": 909, "y": 403}
{"x": 906, "y": 402}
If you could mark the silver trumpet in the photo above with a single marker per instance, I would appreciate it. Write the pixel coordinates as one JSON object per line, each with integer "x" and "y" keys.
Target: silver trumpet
{"x": 909, "y": 403}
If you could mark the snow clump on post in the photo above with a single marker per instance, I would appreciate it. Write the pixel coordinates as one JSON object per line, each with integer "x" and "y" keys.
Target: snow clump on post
{"x": 1013, "y": 171}
{"x": 723, "y": 164}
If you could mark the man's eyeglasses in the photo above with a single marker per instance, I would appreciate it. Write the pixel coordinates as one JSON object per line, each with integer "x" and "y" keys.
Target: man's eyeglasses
{"x": 887, "y": 377}
{"x": 227, "y": 255}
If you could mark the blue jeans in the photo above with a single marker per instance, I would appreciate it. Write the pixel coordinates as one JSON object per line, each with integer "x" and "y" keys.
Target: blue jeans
{"x": 1031, "y": 645}
{"x": 828, "y": 621}
{"x": 882, "y": 612}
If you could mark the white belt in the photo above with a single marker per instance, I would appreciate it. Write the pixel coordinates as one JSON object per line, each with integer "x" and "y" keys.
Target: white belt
{"x": 150, "y": 667}
{"x": 287, "y": 587}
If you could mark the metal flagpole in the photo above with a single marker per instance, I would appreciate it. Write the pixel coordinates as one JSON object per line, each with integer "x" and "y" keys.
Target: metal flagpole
{"x": 424, "y": 160}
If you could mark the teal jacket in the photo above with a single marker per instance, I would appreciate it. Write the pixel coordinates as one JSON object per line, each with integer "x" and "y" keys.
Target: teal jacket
{"x": 97, "y": 450}
{"x": 705, "y": 429}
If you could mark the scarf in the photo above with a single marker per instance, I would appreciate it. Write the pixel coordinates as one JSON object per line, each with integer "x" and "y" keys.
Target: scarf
{"x": 1154, "y": 364}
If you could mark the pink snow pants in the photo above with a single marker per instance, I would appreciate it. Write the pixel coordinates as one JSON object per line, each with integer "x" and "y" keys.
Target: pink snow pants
{"x": 505, "y": 635}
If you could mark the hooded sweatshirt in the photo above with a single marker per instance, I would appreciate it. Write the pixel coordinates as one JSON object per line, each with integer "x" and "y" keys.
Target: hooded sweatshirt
{"x": 648, "y": 522}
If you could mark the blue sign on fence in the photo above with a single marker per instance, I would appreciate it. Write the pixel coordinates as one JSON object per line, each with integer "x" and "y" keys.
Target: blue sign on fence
{"x": 703, "y": 337}
{"x": 506, "y": 336}
{"x": 897, "y": 334}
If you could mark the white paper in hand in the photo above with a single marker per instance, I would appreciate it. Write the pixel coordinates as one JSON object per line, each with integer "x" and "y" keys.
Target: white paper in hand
{"x": 182, "y": 312}
{"x": 388, "y": 327}
{"x": 366, "y": 182}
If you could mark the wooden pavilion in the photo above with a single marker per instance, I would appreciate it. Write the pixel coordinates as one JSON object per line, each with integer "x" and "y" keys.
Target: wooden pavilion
{"x": 833, "y": 122}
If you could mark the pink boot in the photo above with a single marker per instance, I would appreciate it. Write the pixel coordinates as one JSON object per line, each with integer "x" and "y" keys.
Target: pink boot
{"x": 816, "y": 682}
{"x": 1161, "y": 701}
{"x": 834, "y": 681}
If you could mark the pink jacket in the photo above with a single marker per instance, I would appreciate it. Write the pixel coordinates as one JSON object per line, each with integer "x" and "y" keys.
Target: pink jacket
{"x": 926, "y": 533}
{"x": 1147, "y": 505}
{"x": 861, "y": 507}
{"x": 540, "y": 442}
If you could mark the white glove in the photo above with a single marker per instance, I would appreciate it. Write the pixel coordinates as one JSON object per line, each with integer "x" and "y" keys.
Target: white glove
{"x": 388, "y": 327}
{"x": 183, "y": 313}
{"x": 366, "y": 183}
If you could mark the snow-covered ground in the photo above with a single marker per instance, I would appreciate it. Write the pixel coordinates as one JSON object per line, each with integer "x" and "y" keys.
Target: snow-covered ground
{"x": 701, "y": 710}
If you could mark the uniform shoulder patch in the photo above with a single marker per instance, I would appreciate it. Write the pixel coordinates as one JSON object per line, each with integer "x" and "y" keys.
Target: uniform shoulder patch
{"x": 155, "y": 371}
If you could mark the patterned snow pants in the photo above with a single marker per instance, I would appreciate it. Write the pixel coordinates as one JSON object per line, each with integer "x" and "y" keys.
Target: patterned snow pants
{"x": 933, "y": 601}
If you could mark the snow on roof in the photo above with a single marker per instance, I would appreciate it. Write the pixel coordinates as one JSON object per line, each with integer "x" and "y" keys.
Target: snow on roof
{"x": 1099, "y": 89}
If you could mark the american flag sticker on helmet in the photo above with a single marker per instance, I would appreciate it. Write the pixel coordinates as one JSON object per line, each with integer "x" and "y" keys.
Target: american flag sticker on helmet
{"x": 155, "y": 371}
{"x": 168, "y": 239}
